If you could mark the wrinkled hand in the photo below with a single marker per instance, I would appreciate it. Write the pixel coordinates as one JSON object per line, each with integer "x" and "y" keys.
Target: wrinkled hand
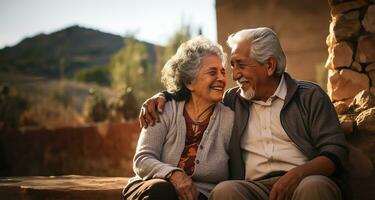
{"x": 184, "y": 186}
{"x": 284, "y": 188}
{"x": 148, "y": 114}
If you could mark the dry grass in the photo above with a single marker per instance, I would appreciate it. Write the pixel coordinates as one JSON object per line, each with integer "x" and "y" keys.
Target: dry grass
{"x": 52, "y": 103}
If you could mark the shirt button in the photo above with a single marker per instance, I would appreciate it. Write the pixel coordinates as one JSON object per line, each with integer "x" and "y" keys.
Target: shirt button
{"x": 197, "y": 161}
{"x": 200, "y": 147}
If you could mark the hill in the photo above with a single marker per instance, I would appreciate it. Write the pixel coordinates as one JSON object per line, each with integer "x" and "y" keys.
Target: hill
{"x": 62, "y": 53}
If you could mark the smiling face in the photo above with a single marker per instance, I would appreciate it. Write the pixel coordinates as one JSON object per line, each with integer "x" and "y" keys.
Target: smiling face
{"x": 250, "y": 75}
{"x": 210, "y": 81}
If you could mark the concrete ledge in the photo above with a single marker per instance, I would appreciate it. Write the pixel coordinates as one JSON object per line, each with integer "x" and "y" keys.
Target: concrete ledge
{"x": 61, "y": 187}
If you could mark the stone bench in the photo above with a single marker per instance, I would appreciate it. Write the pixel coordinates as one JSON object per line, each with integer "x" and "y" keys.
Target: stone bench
{"x": 61, "y": 187}
{"x": 102, "y": 188}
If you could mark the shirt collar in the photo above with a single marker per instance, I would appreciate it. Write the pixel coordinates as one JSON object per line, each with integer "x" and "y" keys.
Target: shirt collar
{"x": 279, "y": 93}
{"x": 281, "y": 89}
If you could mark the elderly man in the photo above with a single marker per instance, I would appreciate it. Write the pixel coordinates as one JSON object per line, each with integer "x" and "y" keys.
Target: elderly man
{"x": 287, "y": 142}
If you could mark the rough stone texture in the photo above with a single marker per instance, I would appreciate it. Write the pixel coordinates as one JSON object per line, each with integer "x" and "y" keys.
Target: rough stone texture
{"x": 366, "y": 49}
{"x": 341, "y": 107}
{"x": 366, "y": 121}
{"x": 347, "y": 6}
{"x": 358, "y": 118}
{"x": 340, "y": 56}
{"x": 347, "y": 123}
{"x": 330, "y": 41}
{"x": 371, "y": 74}
{"x": 372, "y": 90}
{"x": 370, "y": 67}
{"x": 356, "y": 66}
{"x": 368, "y": 21}
{"x": 362, "y": 101}
{"x": 346, "y": 26}
{"x": 362, "y": 187}
{"x": 98, "y": 150}
{"x": 361, "y": 165}
{"x": 345, "y": 84}
{"x": 61, "y": 187}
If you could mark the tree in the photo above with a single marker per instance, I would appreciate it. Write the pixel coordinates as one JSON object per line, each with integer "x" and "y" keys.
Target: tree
{"x": 11, "y": 107}
{"x": 95, "y": 108}
{"x": 128, "y": 64}
{"x": 182, "y": 35}
{"x": 130, "y": 68}
{"x": 134, "y": 76}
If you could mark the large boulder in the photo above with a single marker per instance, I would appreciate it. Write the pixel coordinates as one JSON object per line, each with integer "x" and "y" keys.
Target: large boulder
{"x": 347, "y": 123}
{"x": 341, "y": 107}
{"x": 372, "y": 90}
{"x": 366, "y": 121}
{"x": 345, "y": 26}
{"x": 356, "y": 66}
{"x": 340, "y": 56}
{"x": 362, "y": 101}
{"x": 345, "y": 84}
{"x": 370, "y": 69}
{"x": 346, "y": 6}
{"x": 360, "y": 163}
{"x": 369, "y": 19}
{"x": 366, "y": 49}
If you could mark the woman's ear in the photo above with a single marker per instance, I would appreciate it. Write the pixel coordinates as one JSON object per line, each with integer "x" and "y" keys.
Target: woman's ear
{"x": 271, "y": 66}
{"x": 189, "y": 86}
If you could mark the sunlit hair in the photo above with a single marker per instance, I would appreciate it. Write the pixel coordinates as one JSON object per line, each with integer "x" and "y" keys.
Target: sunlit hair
{"x": 264, "y": 44}
{"x": 183, "y": 67}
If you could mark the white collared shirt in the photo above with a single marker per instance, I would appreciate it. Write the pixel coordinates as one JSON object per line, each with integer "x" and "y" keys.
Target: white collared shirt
{"x": 265, "y": 145}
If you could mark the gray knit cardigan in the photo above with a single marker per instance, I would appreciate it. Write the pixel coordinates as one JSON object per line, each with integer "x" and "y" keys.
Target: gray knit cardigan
{"x": 160, "y": 147}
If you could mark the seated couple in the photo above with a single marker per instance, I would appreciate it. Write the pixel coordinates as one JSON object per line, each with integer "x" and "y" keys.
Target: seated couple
{"x": 272, "y": 137}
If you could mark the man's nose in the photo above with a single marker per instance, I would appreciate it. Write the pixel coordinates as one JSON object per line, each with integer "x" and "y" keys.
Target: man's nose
{"x": 236, "y": 73}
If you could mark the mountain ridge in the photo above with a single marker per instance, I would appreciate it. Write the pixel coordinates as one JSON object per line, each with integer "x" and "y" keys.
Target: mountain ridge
{"x": 63, "y": 52}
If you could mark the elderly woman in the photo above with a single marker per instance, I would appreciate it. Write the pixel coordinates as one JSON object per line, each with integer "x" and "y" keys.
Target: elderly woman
{"x": 186, "y": 154}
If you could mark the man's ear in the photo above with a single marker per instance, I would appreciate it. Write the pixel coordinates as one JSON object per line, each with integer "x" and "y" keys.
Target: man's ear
{"x": 271, "y": 66}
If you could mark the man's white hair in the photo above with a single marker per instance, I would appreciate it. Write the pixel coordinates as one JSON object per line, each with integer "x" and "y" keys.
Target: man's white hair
{"x": 264, "y": 44}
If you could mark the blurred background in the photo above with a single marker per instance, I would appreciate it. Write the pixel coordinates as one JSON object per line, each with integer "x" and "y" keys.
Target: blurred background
{"x": 73, "y": 74}
{"x": 69, "y": 63}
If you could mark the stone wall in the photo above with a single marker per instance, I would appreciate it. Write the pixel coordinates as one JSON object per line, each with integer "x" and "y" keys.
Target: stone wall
{"x": 351, "y": 81}
{"x": 351, "y": 47}
{"x": 95, "y": 150}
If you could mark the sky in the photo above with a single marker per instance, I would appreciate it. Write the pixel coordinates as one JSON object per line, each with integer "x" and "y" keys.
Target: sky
{"x": 153, "y": 21}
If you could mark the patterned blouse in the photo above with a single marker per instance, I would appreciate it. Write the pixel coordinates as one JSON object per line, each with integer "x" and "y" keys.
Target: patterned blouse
{"x": 194, "y": 134}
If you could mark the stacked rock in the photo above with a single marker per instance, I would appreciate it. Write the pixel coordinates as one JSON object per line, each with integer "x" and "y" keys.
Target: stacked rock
{"x": 351, "y": 60}
{"x": 351, "y": 78}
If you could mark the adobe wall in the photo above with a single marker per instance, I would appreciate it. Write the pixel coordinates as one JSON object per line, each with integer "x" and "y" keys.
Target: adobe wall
{"x": 96, "y": 150}
{"x": 300, "y": 25}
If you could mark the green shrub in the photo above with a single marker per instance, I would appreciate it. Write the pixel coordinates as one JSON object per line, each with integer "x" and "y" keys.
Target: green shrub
{"x": 125, "y": 106}
{"x": 95, "y": 108}
{"x": 11, "y": 107}
{"x": 98, "y": 75}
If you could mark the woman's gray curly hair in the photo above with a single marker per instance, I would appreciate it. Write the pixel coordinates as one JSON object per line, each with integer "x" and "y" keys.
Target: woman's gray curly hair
{"x": 183, "y": 67}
